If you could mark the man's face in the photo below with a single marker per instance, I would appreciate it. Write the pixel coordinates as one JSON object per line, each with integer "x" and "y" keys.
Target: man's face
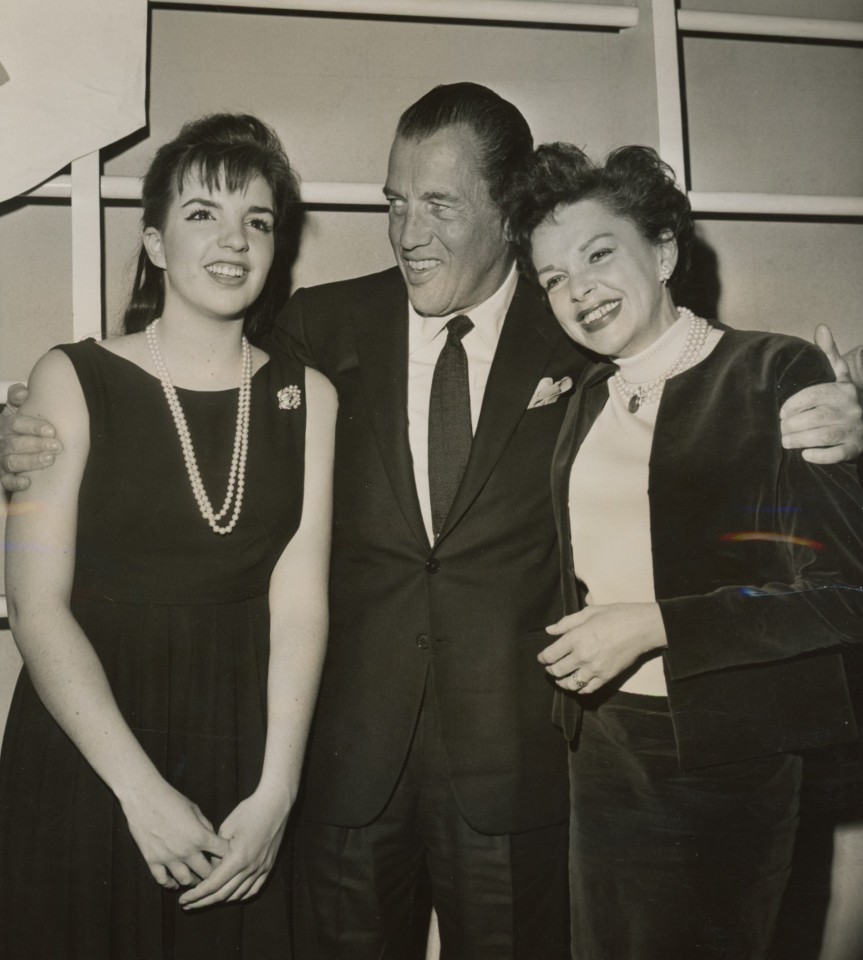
{"x": 447, "y": 235}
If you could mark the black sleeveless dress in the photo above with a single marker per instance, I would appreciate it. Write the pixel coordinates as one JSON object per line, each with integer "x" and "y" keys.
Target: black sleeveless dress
{"x": 179, "y": 618}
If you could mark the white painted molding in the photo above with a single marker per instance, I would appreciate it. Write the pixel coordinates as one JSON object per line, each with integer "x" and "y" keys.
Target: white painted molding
{"x": 129, "y": 188}
{"x": 86, "y": 246}
{"x": 562, "y": 12}
{"x": 369, "y": 194}
{"x": 747, "y": 24}
{"x": 668, "y": 96}
{"x": 786, "y": 204}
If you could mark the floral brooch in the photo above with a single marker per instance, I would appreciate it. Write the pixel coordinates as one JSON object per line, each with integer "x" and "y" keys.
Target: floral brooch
{"x": 290, "y": 397}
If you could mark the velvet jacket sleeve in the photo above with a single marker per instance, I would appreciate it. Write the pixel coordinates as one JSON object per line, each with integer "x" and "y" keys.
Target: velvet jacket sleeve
{"x": 799, "y": 530}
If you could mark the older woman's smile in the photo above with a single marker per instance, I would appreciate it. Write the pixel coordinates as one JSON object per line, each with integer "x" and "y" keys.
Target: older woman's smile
{"x": 598, "y": 317}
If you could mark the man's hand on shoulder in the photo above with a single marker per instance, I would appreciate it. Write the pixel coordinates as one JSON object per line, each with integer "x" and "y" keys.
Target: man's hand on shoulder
{"x": 26, "y": 443}
{"x": 825, "y": 420}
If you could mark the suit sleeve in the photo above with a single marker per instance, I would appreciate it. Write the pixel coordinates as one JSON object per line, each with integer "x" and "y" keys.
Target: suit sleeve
{"x": 817, "y": 601}
{"x": 289, "y": 336}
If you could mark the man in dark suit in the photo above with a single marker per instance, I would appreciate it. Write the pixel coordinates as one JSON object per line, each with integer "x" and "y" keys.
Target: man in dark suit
{"x": 433, "y": 748}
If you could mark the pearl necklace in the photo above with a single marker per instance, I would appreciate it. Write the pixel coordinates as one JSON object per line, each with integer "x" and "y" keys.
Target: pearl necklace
{"x": 650, "y": 392}
{"x": 236, "y": 478}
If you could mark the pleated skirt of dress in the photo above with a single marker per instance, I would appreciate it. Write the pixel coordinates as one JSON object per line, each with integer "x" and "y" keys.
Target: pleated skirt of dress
{"x": 191, "y": 683}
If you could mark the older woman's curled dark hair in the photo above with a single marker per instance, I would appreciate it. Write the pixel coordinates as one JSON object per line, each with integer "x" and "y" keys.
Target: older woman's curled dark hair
{"x": 633, "y": 182}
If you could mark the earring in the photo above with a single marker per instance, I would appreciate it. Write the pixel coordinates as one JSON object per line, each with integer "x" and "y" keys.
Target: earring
{"x": 664, "y": 274}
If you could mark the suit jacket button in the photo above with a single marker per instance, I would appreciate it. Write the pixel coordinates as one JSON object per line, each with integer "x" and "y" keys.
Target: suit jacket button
{"x": 423, "y": 641}
{"x": 433, "y": 565}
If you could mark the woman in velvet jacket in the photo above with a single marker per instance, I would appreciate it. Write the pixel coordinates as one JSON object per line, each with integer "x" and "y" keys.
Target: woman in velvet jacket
{"x": 711, "y": 578}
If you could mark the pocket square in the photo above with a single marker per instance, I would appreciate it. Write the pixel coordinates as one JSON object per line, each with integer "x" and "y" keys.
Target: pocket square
{"x": 547, "y": 391}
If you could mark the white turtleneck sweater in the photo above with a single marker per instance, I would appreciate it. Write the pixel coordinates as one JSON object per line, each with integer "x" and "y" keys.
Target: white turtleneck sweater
{"x": 608, "y": 503}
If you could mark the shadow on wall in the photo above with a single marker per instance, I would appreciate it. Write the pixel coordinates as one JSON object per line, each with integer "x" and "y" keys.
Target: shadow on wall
{"x": 701, "y": 289}
{"x": 281, "y": 272}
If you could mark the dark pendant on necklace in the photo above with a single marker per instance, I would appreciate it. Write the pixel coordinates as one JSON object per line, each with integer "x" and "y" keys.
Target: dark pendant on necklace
{"x": 634, "y": 403}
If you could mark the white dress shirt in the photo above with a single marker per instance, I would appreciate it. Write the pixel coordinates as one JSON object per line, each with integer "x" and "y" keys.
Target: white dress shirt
{"x": 426, "y": 337}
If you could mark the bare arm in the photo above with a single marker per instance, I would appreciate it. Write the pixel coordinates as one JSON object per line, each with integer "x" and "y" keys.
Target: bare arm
{"x": 170, "y": 831}
{"x": 26, "y": 442}
{"x": 826, "y": 420}
{"x": 298, "y": 629}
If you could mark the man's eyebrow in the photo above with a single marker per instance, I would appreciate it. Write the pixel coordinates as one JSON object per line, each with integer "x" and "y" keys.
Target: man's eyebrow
{"x": 439, "y": 195}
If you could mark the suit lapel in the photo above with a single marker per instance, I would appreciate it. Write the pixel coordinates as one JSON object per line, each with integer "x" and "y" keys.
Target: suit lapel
{"x": 381, "y": 331}
{"x": 525, "y": 348}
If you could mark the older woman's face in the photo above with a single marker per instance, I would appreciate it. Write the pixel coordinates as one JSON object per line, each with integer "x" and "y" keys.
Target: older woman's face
{"x": 602, "y": 278}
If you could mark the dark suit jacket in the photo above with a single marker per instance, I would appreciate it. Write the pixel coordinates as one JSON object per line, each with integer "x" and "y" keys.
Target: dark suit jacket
{"x": 754, "y": 624}
{"x": 461, "y": 620}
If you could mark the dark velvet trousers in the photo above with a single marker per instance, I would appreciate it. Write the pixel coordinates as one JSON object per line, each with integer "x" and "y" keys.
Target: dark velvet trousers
{"x": 671, "y": 865}
{"x": 497, "y": 897}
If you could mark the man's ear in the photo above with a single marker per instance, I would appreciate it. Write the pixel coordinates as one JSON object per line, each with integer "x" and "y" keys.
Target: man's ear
{"x": 152, "y": 240}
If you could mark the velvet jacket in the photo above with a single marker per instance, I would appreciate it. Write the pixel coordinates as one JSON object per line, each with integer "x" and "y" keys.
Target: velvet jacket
{"x": 757, "y": 554}
{"x": 462, "y": 619}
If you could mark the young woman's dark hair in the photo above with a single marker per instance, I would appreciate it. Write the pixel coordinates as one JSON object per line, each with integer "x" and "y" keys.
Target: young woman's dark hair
{"x": 633, "y": 182}
{"x": 223, "y": 149}
{"x": 504, "y": 136}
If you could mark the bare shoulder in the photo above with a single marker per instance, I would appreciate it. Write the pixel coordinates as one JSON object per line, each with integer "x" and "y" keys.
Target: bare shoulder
{"x": 55, "y": 395}
{"x": 52, "y": 386}
{"x": 130, "y": 346}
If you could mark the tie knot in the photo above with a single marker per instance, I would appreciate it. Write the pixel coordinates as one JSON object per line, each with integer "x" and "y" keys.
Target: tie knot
{"x": 459, "y": 326}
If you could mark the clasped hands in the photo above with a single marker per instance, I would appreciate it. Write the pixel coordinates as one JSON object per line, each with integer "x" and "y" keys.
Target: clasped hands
{"x": 598, "y": 643}
{"x": 182, "y": 849}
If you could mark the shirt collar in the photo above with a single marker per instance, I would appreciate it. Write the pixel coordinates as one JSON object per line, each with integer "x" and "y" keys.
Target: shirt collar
{"x": 487, "y": 318}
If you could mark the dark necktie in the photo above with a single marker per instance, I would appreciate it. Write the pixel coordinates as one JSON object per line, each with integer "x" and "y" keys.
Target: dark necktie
{"x": 450, "y": 432}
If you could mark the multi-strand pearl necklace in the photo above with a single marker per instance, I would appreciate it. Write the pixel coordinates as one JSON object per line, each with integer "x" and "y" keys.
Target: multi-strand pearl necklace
{"x": 637, "y": 394}
{"x": 237, "y": 476}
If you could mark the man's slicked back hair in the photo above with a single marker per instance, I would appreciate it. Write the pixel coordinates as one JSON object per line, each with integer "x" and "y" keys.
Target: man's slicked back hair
{"x": 504, "y": 137}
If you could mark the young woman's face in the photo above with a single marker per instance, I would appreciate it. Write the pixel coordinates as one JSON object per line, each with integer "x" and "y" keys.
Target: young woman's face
{"x": 602, "y": 278}
{"x": 216, "y": 248}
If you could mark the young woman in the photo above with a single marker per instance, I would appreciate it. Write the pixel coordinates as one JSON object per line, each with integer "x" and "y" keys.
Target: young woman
{"x": 711, "y": 578}
{"x": 167, "y": 591}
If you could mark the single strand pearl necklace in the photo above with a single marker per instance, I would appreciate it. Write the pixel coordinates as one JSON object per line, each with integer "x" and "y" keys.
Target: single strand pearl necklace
{"x": 237, "y": 476}
{"x": 638, "y": 393}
